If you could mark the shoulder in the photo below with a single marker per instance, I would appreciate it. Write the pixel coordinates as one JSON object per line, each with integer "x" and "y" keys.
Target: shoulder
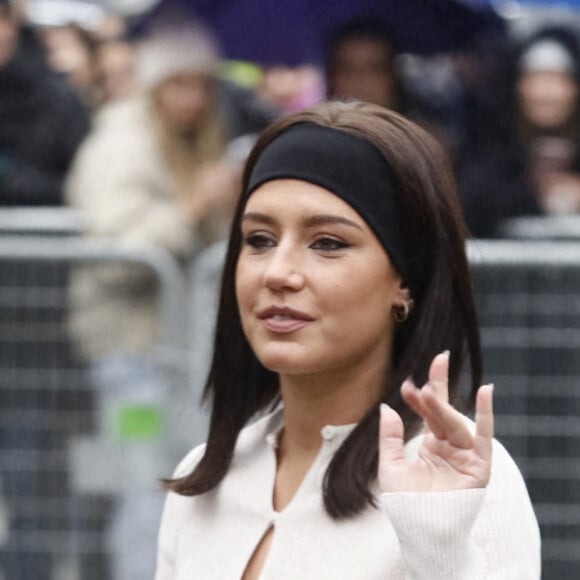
{"x": 131, "y": 110}
{"x": 253, "y": 434}
{"x": 260, "y": 430}
{"x": 122, "y": 140}
{"x": 124, "y": 120}
{"x": 177, "y": 506}
{"x": 190, "y": 461}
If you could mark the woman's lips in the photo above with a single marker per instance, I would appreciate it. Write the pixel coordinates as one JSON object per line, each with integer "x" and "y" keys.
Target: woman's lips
{"x": 284, "y": 325}
{"x": 284, "y": 319}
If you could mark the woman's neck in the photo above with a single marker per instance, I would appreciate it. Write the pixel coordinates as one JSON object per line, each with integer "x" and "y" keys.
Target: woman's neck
{"x": 313, "y": 401}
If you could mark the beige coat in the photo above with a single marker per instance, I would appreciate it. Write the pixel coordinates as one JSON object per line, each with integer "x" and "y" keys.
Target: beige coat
{"x": 129, "y": 195}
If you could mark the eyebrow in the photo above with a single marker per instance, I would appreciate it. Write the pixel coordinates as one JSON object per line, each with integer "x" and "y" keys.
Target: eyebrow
{"x": 309, "y": 222}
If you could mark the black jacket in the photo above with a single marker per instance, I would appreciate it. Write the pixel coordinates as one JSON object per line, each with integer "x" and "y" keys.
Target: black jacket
{"x": 42, "y": 122}
{"x": 494, "y": 186}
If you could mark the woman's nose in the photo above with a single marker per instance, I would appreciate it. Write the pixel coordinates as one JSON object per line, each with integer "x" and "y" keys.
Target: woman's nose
{"x": 284, "y": 270}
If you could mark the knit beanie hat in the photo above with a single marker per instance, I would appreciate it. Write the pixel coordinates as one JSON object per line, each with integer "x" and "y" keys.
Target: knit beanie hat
{"x": 170, "y": 51}
{"x": 547, "y": 55}
{"x": 554, "y": 48}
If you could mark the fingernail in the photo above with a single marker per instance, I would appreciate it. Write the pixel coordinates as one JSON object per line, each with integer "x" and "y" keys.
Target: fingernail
{"x": 491, "y": 387}
{"x": 446, "y": 352}
{"x": 384, "y": 407}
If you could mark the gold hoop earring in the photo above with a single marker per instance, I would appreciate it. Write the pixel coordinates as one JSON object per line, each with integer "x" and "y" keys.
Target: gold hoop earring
{"x": 401, "y": 311}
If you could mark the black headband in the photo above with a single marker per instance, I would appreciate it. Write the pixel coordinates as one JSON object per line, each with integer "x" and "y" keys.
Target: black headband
{"x": 349, "y": 166}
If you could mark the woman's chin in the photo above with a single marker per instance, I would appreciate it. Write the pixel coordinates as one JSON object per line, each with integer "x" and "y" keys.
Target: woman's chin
{"x": 288, "y": 365}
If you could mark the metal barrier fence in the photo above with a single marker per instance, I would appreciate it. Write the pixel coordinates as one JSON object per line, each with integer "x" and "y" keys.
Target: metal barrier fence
{"x": 58, "y": 491}
{"x": 63, "y": 476}
{"x": 529, "y": 305}
{"x": 57, "y": 221}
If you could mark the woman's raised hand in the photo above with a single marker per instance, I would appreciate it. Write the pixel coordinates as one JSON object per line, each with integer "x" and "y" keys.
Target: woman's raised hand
{"x": 452, "y": 456}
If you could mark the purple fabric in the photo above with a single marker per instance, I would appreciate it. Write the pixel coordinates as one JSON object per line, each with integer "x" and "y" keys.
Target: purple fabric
{"x": 293, "y": 32}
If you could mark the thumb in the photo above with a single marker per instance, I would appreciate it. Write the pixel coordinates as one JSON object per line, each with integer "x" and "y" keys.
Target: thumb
{"x": 391, "y": 436}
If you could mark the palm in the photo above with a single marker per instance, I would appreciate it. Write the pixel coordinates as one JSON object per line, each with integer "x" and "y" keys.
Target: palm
{"x": 451, "y": 457}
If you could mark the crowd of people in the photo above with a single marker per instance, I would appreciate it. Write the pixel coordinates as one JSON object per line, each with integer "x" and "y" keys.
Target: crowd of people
{"x": 507, "y": 117}
{"x": 147, "y": 138}
{"x": 505, "y": 108}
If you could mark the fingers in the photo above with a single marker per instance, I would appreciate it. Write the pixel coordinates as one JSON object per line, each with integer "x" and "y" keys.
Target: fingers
{"x": 391, "y": 435}
{"x": 445, "y": 422}
{"x": 484, "y": 421}
{"x": 414, "y": 398}
{"x": 438, "y": 379}
{"x": 439, "y": 374}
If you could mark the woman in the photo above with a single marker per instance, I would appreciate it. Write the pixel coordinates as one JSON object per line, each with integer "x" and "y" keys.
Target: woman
{"x": 345, "y": 276}
{"x": 525, "y": 160}
{"x": 174, "y": 190}
{"x": 361, "y": 63}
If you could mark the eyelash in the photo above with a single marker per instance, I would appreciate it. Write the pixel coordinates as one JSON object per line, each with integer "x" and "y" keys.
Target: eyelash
{"x": 328, "y": 244}
{"x": 258, "y": 241}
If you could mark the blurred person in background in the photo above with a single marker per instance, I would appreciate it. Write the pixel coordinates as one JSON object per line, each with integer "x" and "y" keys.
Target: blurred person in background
{"x": 526, "y": 161}
{"x": 99, "y": 63}
{"x": 42, "y": 122}
{"x": 361, "y": 65}
{"x": 291, "y": 88}
{"x": 450, "y": 89}
{"x": 115, "y": 59}
{"x": 154, "y": 172}
{"x": 116, "y": 70}
{"x": 72, "y": 51}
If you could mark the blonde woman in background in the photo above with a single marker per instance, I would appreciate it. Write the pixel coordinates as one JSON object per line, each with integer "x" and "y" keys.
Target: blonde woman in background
{"x": 152, "y": 173}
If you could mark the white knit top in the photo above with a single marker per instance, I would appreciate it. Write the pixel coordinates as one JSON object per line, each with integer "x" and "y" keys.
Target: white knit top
{"x": 473, "y": 534}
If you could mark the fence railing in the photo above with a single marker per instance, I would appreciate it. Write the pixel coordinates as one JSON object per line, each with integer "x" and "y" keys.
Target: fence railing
{"x": 63, "y": 517}
{"x": 558, "y": 227}
{"x": 57, "y": 221}
{"x": 79, "y": 437}
{"x": 528, "y": 297}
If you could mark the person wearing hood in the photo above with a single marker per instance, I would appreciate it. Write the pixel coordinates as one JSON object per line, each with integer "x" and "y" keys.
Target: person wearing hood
{"x": 527, "y": 161}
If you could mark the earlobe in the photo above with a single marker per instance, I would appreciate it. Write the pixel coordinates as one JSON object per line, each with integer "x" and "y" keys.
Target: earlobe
{"x": 403, "y": 305}
{"x": 401, "y": 311}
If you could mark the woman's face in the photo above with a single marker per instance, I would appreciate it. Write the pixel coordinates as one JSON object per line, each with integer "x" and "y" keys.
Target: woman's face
{"x": 183, "y": 99}
{"x": 8, "y": 34}
{"x": 547, "y": 100}
{"x": 315, "y": 288}
{"x": 363, "y": 69}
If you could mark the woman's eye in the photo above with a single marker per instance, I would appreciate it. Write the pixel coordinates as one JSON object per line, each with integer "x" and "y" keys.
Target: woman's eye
{"x": 329, "y": 244}
{"x": 258, "y": 241}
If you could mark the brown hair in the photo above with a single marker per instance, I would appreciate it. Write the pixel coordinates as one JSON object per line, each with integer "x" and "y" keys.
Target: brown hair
{"x": 439, "y": 281}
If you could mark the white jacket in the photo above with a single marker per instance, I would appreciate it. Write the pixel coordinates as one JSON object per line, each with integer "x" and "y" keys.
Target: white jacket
{"x": 123, "y": 186}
